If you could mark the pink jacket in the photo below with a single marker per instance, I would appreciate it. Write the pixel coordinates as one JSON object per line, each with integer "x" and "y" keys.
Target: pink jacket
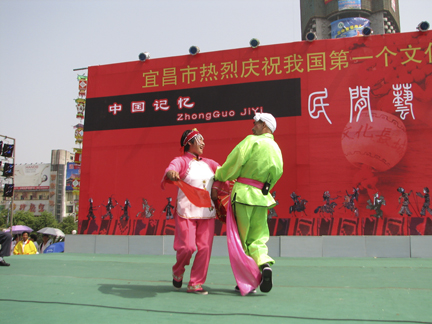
{"x": 181, "y": 165}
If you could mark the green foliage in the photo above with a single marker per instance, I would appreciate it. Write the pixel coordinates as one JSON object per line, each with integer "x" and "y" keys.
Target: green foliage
{"x": 3, "y": 217}
{"x": 68, "y": 225}
{"x": 35, "y": 222}
{"x": 24, "y": 218}
{"x": 45, "y": 219}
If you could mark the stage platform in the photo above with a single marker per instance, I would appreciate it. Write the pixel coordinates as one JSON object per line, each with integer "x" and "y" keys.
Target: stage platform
{"x": 414, "y": 246}
{"x": 106, "y": 288}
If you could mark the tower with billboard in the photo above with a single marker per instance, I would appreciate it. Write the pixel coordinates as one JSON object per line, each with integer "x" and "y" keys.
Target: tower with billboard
{"x": 346, "y": 18}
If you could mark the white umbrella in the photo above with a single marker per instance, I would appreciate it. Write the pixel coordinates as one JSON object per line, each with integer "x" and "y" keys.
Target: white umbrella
{"x": 51, "y": 231}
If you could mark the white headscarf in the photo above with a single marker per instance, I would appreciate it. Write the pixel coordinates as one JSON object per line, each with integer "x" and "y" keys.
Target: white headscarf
{"x": 268, "y": 119}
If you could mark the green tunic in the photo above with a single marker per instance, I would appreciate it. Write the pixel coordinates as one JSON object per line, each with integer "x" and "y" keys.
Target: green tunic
{"x": 257, "y": 157}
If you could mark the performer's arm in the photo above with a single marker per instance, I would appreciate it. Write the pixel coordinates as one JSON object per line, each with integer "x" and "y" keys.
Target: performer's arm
{"x": 172, "y": 172}
{"x": 232, "y": 167}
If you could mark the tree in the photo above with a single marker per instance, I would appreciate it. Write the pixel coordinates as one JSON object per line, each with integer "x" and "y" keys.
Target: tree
{"x": 4, "y": 212}
{"x": 24, "y": 218}
{"x": 68, "y": 225}
{"x": 45, "y": 219}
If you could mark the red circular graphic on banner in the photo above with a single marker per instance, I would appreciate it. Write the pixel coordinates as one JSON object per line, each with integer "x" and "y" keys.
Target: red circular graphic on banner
{"x": 378, "y": 140}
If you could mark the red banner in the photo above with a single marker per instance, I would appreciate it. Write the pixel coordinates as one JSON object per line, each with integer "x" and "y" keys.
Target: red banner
{"x": 354, "y": 123}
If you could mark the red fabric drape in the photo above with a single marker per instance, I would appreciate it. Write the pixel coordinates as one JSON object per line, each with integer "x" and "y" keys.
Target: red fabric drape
{"x": 198, "y": 197}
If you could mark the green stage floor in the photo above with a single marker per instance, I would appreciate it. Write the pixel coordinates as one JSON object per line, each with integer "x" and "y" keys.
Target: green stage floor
{"x": 95, "y": 288}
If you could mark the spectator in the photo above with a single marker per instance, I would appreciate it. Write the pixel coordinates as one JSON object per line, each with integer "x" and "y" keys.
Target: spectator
{"x": 45, "y": 243}
{"x": 25, "y": 246}
{"x": 15, "y": 240}
{"x": 33, "y": 238}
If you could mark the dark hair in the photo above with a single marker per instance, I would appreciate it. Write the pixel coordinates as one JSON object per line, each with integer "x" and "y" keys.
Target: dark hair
{"x": 25, "y": 232}
{"x": 34, "y": 237}
{"x": 186, "y": 133}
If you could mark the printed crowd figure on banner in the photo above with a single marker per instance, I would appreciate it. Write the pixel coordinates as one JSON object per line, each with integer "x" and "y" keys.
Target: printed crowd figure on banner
{"x": 147, "y": 211}
{"x": 109, "y": 206}
{"x": 299, "y": 204}
{"x": 426, "y": 205}
{"x": 194, "y": 226}
{"x": 405, "y": 201}
{"x": 168, "y": 209}
{"x": 91, "y": 210}
{"x": 272, "y": 212}
{"x": 125, "y": 209}
{"x": 376, "y": 205}
{"x": 328, "y": 206}
{"x": 349, "y": 202}
{"x": 256, "y": 163}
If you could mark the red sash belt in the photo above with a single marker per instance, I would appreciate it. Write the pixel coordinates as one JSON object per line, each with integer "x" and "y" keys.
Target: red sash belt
{"x": 251, "y": 182}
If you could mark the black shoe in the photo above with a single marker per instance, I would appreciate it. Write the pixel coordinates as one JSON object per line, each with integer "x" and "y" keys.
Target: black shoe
{"x": 3, "y": 263}
{"x": 266, "y": 280}
{"x": 177, "y": 284}
{"x": 262, "y": 266}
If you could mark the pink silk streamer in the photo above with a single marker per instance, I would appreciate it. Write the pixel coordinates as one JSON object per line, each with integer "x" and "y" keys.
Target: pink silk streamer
{"x": 246, "y": 271}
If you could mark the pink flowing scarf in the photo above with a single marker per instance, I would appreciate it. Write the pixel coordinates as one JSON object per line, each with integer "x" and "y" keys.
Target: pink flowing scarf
{"x": 246, "y": 271}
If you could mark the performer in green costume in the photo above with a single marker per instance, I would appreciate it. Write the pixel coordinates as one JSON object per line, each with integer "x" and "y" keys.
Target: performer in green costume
{"x": 256, "y": 163}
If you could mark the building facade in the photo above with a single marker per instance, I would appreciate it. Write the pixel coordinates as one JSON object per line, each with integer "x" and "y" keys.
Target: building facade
{"x": 346, "y": 18}
{"x": 45, "y": 187}
{"x": 60, "y": 202}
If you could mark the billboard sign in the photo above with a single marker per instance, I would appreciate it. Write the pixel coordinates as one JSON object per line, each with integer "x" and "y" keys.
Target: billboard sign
{"x": 349, "y": 4}
{"x": 72, "y": 176}
{"x": 32, "y": 176}
{"x": 348, "y": 27}
{"x": 353, "y": 118}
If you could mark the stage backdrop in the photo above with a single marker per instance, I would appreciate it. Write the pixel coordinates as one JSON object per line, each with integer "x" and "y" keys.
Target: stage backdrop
{"x": 354, "y": 124}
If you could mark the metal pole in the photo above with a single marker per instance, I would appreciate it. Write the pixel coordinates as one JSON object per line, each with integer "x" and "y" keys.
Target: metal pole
{"x": 13, "y": 181}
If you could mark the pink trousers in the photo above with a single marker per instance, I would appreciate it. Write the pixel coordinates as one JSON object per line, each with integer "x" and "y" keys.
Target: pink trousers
{"x": 192, "y": 235}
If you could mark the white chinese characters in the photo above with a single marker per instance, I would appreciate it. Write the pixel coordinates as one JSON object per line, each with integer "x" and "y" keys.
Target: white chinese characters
{"x": 360, "y": 100}
{"x": 138, "y": 106}
{"x": 115, "y": 108}
{"x": 316, "y": 104}
{"x": 402, "y": 101}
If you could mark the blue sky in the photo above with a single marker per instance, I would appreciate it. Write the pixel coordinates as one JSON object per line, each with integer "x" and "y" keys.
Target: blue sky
{"x": 43, "y": 41}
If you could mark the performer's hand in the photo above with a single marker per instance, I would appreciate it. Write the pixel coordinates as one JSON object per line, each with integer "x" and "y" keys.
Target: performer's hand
{"x": 173, "y": 175}
{"x": 214, "y": 194}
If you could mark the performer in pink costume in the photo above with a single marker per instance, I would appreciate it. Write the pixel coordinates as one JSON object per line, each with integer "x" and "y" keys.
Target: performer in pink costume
{"x": 194, "y": 225}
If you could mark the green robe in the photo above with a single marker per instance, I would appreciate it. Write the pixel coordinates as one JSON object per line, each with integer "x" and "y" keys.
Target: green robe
{"x": 257, "y": 157}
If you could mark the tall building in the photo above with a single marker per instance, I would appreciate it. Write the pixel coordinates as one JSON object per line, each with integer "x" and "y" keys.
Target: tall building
{"x": 59, "y": 166}
{"x": 346, "y": 18}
